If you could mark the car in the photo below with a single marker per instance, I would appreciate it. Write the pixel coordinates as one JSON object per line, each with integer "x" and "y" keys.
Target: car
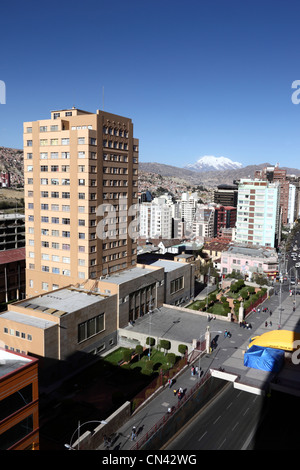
{"x": 293, "y": 280}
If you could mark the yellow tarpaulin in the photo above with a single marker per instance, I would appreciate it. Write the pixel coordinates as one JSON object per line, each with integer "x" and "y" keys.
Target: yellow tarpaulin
{"x": 278, "y": 339}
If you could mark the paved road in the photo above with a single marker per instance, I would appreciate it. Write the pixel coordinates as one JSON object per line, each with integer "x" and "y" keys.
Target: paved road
{"x": 225, "y": 425}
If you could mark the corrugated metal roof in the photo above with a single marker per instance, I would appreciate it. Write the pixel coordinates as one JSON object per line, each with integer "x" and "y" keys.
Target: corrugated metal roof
{"x": 10, "y": 256}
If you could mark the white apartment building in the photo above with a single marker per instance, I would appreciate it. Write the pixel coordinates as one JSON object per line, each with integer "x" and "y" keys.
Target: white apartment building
{"x": 258, "y": 213}
{"x": 188, "y": 207}
{"x": 203, "y": 223}
{"x": 155, "y": 219}
{"x": 291, "y": 204}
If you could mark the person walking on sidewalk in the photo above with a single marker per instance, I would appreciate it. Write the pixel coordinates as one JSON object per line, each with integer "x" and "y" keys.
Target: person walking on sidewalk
{"x": 133, "y": 433}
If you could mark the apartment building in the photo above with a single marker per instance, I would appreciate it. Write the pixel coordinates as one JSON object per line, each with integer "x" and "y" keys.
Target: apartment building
{"x": 203, "y": 223}
{"x": 155, "y": 219}
{"x": 275, "y": 174}
{"x": 81, "y": 193}
{"x": 258, "y": 213}
{"x": 226, "y": 195}
{"x": 19, "y": 401}
{"x": 225, "y": 217}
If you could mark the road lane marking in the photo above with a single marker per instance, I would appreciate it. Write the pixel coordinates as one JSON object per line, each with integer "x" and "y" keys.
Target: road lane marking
{"x": 236, "y": 424}
{"x": 202, "y": 436}
{"x": 217, "y": 419}
{"x": 221, "y": 444}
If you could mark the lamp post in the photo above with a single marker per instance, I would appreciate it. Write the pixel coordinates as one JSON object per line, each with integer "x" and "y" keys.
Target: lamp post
{"x": 208, "y": 275}
{"x": 69, "y": 446}
{"x": 279, "y": 323}
{"x": 204, "y": 334}
{"x": 150, "y": 312}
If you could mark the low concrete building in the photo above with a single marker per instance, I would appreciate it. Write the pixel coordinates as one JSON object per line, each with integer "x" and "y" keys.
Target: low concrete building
{"x": 138, "y": 290}
{"x": 63, "y": 327}
{"x": 179, "y": 281}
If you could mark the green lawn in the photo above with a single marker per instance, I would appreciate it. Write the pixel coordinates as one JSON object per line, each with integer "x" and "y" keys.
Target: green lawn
{"x": 158, "y": 358}
{"x": 218, "y": 309}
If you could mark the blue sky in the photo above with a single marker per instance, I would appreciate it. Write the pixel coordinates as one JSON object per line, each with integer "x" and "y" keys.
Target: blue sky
{"x": 197, "y": 77}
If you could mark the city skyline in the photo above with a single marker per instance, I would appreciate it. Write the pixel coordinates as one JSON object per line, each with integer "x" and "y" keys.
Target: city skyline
{"x": 204, "y": 79}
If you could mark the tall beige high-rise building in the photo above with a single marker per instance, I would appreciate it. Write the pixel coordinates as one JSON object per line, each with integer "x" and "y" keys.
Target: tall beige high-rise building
{"x": 81, "y": 195}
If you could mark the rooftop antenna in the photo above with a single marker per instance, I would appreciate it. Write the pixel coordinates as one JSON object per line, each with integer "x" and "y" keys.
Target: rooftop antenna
{"x": 103, "y": 98}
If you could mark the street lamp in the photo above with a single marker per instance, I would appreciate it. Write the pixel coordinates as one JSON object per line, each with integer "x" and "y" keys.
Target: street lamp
{"x": 69, "y": 446}
{"x": 205, "y": 346}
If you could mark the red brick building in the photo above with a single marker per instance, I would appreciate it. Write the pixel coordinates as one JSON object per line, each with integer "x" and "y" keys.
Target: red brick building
{"x": 19, "y": 415}
{"x": 225, "y": 217}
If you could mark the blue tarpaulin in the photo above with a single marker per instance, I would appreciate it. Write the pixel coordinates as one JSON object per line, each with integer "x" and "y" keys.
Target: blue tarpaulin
{"x": 268, "y": 359}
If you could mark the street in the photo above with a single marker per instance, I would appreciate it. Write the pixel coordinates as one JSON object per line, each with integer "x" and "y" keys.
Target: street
{"x": 228, "y": 423}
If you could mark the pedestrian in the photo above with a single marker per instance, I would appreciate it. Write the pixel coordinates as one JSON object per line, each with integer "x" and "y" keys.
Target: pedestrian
{"x": 133, "y": 433}
{"x": 175, "y": 392}
{"x": 270, "y": 313}
{"x": 197, "y": 370}
{"x": 266, "y": 324}
{"x": 225, "y": 333}
{"x": 170, "y": 383}
{"x": 192, "y": 370}
{"x": 270, "y": 323}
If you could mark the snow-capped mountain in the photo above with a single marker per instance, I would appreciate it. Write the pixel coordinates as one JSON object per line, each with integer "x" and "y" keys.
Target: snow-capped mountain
{"x": 211, "y": 163}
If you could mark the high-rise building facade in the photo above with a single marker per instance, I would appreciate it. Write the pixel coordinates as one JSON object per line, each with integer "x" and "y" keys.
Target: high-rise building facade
{"x": 81, "y": 193}
{"x": 226, "y": 195}
{"x": 155, "y": 219}
{"x": 258, "y": 215}
{"x": 275, "y": 174}
{"x": 225, "y": 217}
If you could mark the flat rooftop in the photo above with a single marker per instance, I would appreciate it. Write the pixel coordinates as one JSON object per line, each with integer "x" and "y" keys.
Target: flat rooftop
{"x": 9, "y": 362}
{"x": 28, "y": 320}
{"x": 168, "y": 265}
{"x": 62, "y": 301}
{"x": 260, "y": 252}
{"x": 128, "y": 275}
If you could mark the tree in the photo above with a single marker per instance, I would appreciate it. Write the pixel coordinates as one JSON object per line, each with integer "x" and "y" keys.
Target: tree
{"x": 139, "y": 350}
{"x": 171, "y": 359}
{"x": 150, "y": 341}
{"x": 165, "y": 344}
{"x": 126, "y": 355}
{"x": 182, "y": 349}
{"x": 244, "y": 293}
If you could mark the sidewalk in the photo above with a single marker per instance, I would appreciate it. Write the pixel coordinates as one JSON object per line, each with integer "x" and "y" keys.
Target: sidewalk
{"x": 228, "y": 354}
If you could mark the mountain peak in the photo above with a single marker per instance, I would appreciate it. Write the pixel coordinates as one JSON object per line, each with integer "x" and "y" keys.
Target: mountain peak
{"x": 212, "y": 163}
